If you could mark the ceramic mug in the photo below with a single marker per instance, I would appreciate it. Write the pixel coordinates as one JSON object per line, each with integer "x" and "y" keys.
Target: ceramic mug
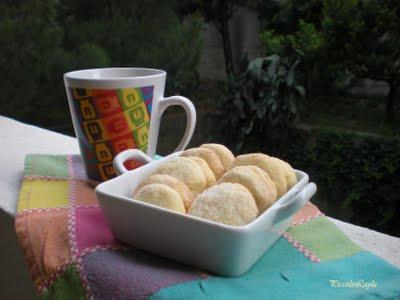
{"x": 115, "y": 109}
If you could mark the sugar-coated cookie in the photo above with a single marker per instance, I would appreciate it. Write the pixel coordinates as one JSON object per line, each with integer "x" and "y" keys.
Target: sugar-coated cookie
{"x": 224, "y": 154}
{"x": 210, "y": 157}
{"x": 267, "y": 164}
{"x": 161, "y": 195}
{"x": 227, "y": 203}
{"x": 252, "y": 159}
{"x": 256, "y": 181}
{"x": 186, "y": 195}
{"x": 291, "y": 178}
{"x": 210, "y": 177}
{"x": 186, "y": 171}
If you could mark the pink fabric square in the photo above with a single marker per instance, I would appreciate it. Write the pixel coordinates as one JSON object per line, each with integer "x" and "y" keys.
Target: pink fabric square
{"x": 92, "y": 229}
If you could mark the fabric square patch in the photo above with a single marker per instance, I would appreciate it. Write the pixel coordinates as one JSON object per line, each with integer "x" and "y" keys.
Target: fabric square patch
{"x": 132, "y": 275}
{"x": 307, "y": 212}
{"x": 266, "y": 275}
{"x": 46, "y": 165}
{"x": 300, "y": 281}
{"x": 326, "y": 240}
{"x": 78, "y": 170}
{"x": 92, "y": 228}
{"x": 43, "y": 194}
{"x": 84, "y": 194}
{"x": 44, "y": 237}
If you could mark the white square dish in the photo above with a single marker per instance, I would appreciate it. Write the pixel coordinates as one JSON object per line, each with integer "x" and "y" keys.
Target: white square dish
{"x": 221, "y": 249}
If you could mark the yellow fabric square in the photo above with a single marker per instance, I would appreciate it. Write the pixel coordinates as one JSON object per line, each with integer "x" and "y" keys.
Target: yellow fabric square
{"x": 43, "y": 194}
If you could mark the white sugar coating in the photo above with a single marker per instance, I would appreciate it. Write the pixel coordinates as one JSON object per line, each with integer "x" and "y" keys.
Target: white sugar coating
{"x": 177, "y": 185}
{"x": 226, "y": 203}
{"x": 186, "y": 171}
{"x": 256, "y": 181}
{"x": 277, "y": 173}
{"x": 223, "y": 153}
{"x": 291, "y": 178}
{"x": 161, "y": 195}
{"x": 267, "y": 164}
{"x": 251, "y": 159}
{"x": 209, "y": 175}
{"x": 210, "y": 157}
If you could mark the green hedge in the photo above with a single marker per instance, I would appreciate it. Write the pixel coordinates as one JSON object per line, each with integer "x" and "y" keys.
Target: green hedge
{"x": 358, "y": 176}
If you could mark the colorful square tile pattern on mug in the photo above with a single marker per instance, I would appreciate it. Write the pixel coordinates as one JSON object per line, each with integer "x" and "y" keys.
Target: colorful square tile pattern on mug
{"x": 111, "y": 120}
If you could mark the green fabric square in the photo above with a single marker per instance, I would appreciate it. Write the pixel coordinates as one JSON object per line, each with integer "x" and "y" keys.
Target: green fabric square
{"x": 46, "y": 165}
{"x": 67, "y": 286}
{"x": 324, "y": 239}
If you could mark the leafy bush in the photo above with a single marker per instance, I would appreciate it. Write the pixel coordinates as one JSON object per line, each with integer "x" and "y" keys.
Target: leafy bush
{"x": 140, "y": 34}
{"x": 41, "y": 40}
{"x": 29, "y": 40}
{"x": 364, "y": 36}
{"x": 306, "y": 42}
{"x": 337, "y": 39}
{"x": 33, "y": 60}
{"x": 265, "y": 95}
{"x": 357, "y": 175}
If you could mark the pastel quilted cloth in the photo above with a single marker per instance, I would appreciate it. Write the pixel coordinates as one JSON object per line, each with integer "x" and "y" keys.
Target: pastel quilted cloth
{"x": 72, "y": 253}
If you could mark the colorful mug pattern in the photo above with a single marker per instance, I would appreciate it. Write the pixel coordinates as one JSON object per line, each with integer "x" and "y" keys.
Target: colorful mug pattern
{"x": 111, "y": 121}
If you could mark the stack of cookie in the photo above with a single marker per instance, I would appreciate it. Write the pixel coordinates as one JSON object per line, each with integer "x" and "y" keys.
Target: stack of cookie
{"x": 210, "y": 183}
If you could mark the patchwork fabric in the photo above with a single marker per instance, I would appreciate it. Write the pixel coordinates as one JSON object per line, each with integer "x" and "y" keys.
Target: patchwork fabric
{"x": 138, "y": 274}
{"x": 301, "y": 280}
{"x": 84, "y": 195}
{"x": 41, "y": 194}
{"x": 40, "y": 165}
{"x": 43, "y": 234}
{"x": 72, "y": 253}
{"x": 91, "y": 229}
{"x": 309, "y": 212}
{"x": 327, "y": 241}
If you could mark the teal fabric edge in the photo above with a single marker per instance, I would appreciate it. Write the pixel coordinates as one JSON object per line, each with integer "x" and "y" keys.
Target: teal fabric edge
{"x": 359, "y": 276}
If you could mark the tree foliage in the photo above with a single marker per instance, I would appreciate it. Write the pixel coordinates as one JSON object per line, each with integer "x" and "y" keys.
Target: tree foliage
{"x": 219, "y": 13}
{"x": 335, "y": 37}
{"x": 41, "y": 40}
{"x": 266, "y": 95}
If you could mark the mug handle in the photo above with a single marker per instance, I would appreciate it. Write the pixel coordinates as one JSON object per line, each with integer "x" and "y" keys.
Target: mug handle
{"x": 123, "y": 156}
{"x": 141, "y": 157}
{"x": 190, "y": 111}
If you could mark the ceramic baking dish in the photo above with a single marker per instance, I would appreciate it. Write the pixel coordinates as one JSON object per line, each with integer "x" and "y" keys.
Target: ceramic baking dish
{"x": 221, "y": 249}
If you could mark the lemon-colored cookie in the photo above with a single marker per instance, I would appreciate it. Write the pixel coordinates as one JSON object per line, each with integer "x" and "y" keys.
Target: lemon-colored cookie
{"x": 291, "y": 178}
{"x": 177, "y": 185}
{"x": 267, "y": 164}
{"x": 224, "y": 154}
{"x": 161, "y": 195}
{"x": 210, "y": 157}
{"x": 256, "y": 181}
{"x": 186, "y": 171}
{"x": 210, "y": 177}
{"x": 227, "y": 203}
